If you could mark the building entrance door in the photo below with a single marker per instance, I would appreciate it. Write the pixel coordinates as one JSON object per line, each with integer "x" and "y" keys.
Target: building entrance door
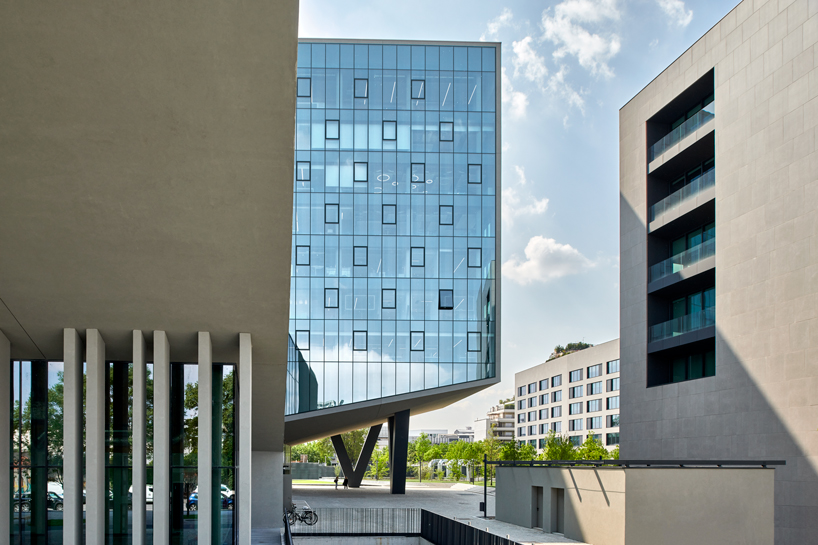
{"x": 538, "y": 515}
{"x": 557, "y": 510}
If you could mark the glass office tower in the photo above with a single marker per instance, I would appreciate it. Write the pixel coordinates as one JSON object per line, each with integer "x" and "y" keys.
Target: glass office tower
{"x": 395, "y": 220}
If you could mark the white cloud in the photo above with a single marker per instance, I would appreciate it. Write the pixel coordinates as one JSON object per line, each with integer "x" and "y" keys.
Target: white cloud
{"x": 514, "y": 205}
{"x": 564, "y": 29}
{"x": 675, "y": 9}
{"x": 545, "y": 260}
{"x": 560, "y": 87}
{"x": 517, "y": 101}
{"x": 493, "y": 27}
{"x": 528, "y": 62}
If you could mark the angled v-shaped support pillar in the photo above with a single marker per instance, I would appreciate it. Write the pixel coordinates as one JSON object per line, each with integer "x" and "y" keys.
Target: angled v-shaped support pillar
{"x": 355, "y": 476}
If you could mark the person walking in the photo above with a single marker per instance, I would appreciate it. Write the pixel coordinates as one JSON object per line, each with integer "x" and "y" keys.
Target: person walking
{"x": 336, "y": 482}
{"x": 346, "y": 483}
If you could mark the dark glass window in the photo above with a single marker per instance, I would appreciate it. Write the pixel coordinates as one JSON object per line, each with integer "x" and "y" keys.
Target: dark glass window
{"x": 521, "y": 391}
{"x": 556, "y": 381}
{"x": 388, "y": 298}
{"x": 612, "y": 439}
{"x": 612, "y": 403}
{"x": 475, "y": 341}
{"x": 532, "y": 401}
{"x": 418, "y": 256}
{"x": 594, "y": 405}
{"x": 302, "y": 340}
{"x": 359, "y": 340}
{"x": 532, "y": 387}
{"x": 556, "y": 427}
{"x": 302, "y": 171}
{"x": 543, "y": 414}
{"x": 417, "y": 341}
{"x": 612, "y": 421}
{"x": 475, "y": 257}
{"x": 389, "y": 214}
{"x": 532, "y": 416}
{"x": 304, "y": 87}
{"x": 575, "y": 375}
{"x": 613, "y": 366}
{"x": 302, "y": 255}
{"x": 361, "y": 172}
{"x": 390, "y": 130}
{"x": 418, "y": 89}
{"x": 475, "y": 174}
{"x": 595, "y": 388}
{"x": 575, "y": 408}
{"x": 361, "y": 88}
{"x": 446, "y": 299}
{"x": 446, "y": 131}
{"x": 330, "y": 297}
{"x": 574, "y": 392}
{"x": 543, "y": 399}
{"x": 359, "y": 256}
{"x": 544, "y": 384}
{"x": 556, "y": 412}
{"x": 331, "y": 213}
{"x": 521, "y": 416}
{"x": 595, "y": 370}
{"x": 556, "y": 396}
{"x": 332, "y": 129}
{"x": 446, "y": 214}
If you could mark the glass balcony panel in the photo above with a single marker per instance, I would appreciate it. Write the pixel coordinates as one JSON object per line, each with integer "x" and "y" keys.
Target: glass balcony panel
{"x": 682, "y": 260}
{"x": 683, "y": 324}
{"x": 675, "y": 199}
{"x": 700, "y": 119}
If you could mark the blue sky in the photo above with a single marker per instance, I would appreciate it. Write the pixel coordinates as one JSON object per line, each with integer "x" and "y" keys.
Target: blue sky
{"x": 568, "y": 67}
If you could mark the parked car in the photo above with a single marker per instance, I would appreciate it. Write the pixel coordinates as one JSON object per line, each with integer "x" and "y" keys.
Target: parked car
{"x": 22, "y": 501}
{"x": 225, "y": 490}
{"x": 148, "y": 493}
{"x": 193, "y": 502}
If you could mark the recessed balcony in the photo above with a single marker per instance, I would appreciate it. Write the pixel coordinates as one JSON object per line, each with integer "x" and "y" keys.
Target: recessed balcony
{"x": 679, "y": 202}
{"x": 694, "y": 128}
{"x": 683, "y": 265}
{"x": 682, "y": 330}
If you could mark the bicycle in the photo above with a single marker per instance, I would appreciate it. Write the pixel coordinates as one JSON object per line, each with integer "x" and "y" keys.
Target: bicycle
{"x": 307, "y": 516}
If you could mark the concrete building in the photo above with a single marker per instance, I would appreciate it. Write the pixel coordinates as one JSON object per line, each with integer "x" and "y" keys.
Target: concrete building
{"x": 718, "y": 211}
{"x": 574, "y": 395}
{"x": 499, "y": 422}
{"x": 142, "y": 241}
{"x": 395, "y": 302}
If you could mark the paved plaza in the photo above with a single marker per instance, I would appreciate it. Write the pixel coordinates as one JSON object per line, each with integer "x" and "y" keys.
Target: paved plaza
{"x": 460, "y": 501}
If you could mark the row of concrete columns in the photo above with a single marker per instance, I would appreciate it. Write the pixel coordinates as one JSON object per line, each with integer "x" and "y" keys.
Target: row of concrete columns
{"x": 95, "y": 478}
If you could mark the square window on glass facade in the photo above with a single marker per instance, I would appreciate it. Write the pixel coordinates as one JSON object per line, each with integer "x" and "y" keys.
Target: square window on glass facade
{"x": 417, "y": 341}
{"x": 475, "y": 341}
{"x": 361, "y": 172}
{"x": 475, "y": 257}
{"x": 302, "y": 171}
{"x": 418, "y": 256}
{"x": 446, "y": 131}
{"x": 304, "y": 87}
{"x": 475, "y": 174}
{"x": 332, "y": 129}
{"x": 359, "y": 340}
{"x": 359, "y": 256}
{"x": 446, "y": 214}
{"x": 612, "y": 439}
{"x": 302, "y": 255}
{"x": 330, "y": 297}
{"x": 446, "y": 300}
{"x": 418, "y": 89}
{"x": 330, "y": 213}
{"x": 390, "y": 214}
{"x": 361, "y": 88}
{"x": 302, "y": 340}
{"x": 418, "y": 173}
{"x": 388, "y": 297}
{"x": 390, "y": 130}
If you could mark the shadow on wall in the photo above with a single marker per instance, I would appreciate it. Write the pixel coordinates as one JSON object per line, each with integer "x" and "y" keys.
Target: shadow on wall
{"x": 729, "y": 416}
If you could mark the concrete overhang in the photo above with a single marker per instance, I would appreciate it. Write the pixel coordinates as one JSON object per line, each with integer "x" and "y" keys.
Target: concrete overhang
{"x": 303, "y": 427}
{"x": 146, "y": 159}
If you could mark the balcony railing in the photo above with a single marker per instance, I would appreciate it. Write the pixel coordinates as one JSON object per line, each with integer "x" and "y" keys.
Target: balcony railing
{"x": 683, "y": 324}
{"x": 683, "y": 260}
{"x": 678, "y": 134}
{"x": 675, "y": 199}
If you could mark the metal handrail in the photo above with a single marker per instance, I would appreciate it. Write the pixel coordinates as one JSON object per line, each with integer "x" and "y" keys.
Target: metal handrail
{"x": 288, "y": 534}
{"x": 700, "y": 119}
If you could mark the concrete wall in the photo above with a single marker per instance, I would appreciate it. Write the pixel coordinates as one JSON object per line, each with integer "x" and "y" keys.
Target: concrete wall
{"x": 763, "y": 401}
{"x": 644, "y": 506}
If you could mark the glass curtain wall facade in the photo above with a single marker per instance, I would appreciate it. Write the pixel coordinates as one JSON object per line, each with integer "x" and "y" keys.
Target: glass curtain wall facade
{"x": 394, "y": 220}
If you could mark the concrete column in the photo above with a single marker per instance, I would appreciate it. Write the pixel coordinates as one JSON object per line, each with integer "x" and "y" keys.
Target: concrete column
{"x": 398, "y": 451}
{"x": 95, "y": 509}
{"x": 161, "y": 438}
{"x": 205, "y": 443}
{"x": 5, "y": 431}
{"x": 140, "y": 419}
{"x": 72, "y": 437}
{"x": 245, "y": 473}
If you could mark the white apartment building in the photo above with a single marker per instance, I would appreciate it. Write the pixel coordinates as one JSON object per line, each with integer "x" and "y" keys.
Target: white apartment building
{"x": 499, "y": 422}
{"x": 574, "y": 395}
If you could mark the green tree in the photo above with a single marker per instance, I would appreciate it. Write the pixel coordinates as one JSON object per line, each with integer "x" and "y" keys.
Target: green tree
{"x": 592, "y": 449}
{"x": 492, "y": 449}
{"x": 420, "y": 448}
{"x": 509, "y": 451}
{"x": 558, "y": 447}
{"x": 528, "y": 451}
